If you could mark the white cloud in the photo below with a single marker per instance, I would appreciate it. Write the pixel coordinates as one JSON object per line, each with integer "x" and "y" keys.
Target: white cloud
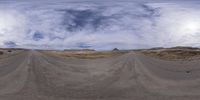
{"x": 100, "y": 26}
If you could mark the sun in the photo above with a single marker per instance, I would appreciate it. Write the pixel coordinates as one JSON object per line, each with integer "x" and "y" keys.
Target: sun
{"x": 6, "y": 21}
{"x": 190, "y": 27}
{"x": 10, "y": 21}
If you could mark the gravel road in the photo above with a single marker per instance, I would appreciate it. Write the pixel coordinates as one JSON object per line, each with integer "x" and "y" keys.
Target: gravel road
{"x": 34, "y": 75}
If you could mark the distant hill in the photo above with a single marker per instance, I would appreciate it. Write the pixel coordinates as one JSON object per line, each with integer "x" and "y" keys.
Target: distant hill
{"x": 183, "y": 47}
{"x": 79, "y": 50}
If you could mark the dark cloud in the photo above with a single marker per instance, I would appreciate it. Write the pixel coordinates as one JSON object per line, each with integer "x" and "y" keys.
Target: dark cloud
{"x": 150, "y": 11}
{"x": 52, "y": 37}
{"x": 37, "y": 36}
{"x": 83, "y": 45}
{"x": 78, "y": 19}
{"x": 10, "y": 44}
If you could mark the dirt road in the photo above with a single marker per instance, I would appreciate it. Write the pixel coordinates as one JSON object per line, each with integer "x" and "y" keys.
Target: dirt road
{"x": 33, "y": 75}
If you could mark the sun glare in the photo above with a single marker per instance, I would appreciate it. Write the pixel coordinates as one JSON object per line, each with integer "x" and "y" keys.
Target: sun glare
{"x": 4, "y": 22}
{"x": 191, "y": 27}
{"x": 7, "y": 21}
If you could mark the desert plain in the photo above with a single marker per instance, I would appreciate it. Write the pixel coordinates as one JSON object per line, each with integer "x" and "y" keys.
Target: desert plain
{"x": 145, "y": 74}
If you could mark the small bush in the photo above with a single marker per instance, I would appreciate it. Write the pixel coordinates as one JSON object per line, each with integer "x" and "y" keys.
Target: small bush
{"x": 9, "y": 50}
{"x": 1, "y": 52}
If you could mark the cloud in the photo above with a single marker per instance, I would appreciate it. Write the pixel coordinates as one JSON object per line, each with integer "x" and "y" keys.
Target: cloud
{"x": 37, "y": 36}
{"x": 10, "y": 44}
{"x": 125, "y": 25}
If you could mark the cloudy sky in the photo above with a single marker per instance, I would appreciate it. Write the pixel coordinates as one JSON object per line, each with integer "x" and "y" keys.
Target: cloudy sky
{"x": 99, "y": 24}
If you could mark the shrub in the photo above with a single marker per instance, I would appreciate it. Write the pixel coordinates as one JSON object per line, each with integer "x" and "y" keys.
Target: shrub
{"x": 1, "y": 52}
{"x": 9, "y": 50}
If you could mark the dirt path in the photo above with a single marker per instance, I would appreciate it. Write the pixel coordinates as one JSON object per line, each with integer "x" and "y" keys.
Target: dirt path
{"x": 32, "y": 75}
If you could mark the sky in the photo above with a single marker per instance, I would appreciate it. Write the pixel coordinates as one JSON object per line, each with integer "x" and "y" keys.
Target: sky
{"x": 99, "y": 24}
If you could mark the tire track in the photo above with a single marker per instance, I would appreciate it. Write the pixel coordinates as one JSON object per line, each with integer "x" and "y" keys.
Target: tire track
{"x": 13, "y": 81}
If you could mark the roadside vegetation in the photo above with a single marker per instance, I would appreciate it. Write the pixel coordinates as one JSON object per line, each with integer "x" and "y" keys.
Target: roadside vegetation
{"x": 176, "y": 53}
{"x": 88, "y": 54}
{"x": 1, "y": 52}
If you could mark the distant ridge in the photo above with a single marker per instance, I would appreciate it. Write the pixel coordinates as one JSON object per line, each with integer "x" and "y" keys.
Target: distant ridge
{"x": 183, "y": 47}
{"x": 79, "y": 50}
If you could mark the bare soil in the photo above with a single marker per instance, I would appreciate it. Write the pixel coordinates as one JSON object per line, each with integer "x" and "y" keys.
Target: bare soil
{"x": 41, "y": 75}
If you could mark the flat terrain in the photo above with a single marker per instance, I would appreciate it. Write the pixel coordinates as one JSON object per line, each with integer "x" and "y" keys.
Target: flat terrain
{"x": 176, "y": 53}
{"x": 53, "y": 75}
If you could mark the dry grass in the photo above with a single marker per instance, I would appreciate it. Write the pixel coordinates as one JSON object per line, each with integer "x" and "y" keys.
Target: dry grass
{"x": 173, "y": 54}
{"x": 88, "y": 55}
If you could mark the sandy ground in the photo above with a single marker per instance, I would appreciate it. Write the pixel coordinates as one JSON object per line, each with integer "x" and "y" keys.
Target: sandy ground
{"x": 34, "y": 75}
